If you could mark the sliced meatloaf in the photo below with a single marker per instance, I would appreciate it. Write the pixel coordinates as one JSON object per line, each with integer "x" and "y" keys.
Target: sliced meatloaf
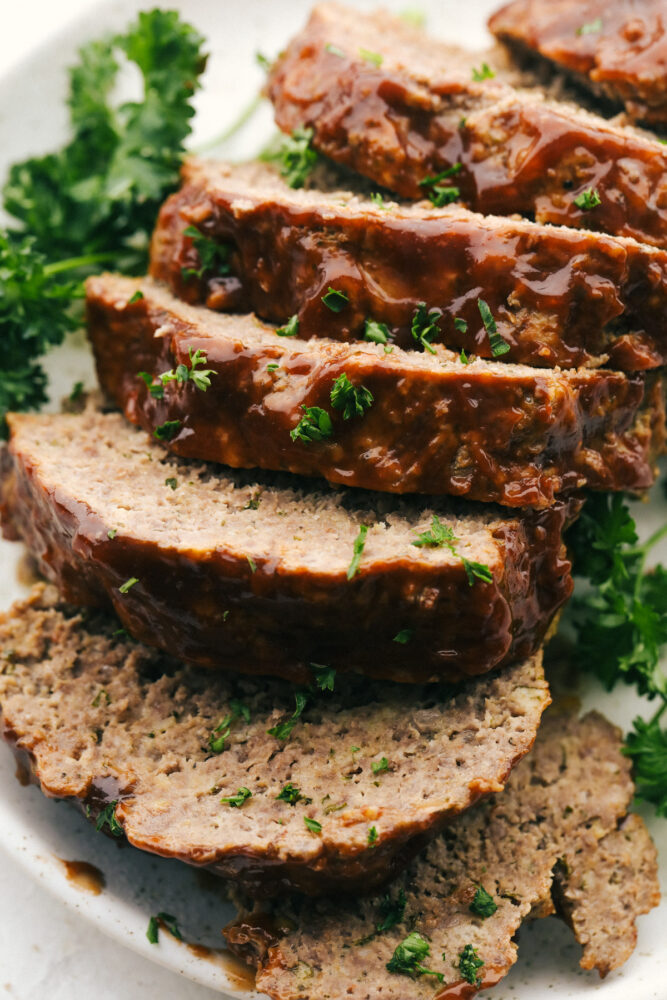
{"x": 369, "y": 771}
{"x": 400, "y": 422}
{"x": 446, "y": 926}
{"x": 400, "y": 108}
{"x": 558, "y": 296}
{"x": 617, "y": 49}
{"x": 266, "y": 576}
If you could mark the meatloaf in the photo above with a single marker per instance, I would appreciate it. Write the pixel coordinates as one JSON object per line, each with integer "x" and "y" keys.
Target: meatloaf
{"x": 558, "y": 296}
{"x": 399, "y": 108}
{"x": 617, "y": 49}
{"x": 446, "y": 926}
{"x": 402, "y": 422}
{"x": 375, "y": 768}
{"x": 266, "y": 576}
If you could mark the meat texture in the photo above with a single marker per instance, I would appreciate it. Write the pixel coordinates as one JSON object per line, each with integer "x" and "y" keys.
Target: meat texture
{"x": 375, "y": 768}
{"x": 563, "y": 814}
{"x": 400, "y": 108}
{"x": 264, "y": 576}
{"x": 558, "y": 296}
{"x": 401, "y": 422}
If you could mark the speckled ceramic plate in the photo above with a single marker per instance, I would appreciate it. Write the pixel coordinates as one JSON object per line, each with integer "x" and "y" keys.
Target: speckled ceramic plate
{"x": 38, "y": 832}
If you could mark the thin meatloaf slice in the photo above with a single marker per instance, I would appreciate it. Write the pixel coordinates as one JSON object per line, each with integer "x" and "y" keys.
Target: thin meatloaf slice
{"x": 402, "y": 422}
{"x": 618, "y": 49}
{"x": 558, "y": 296}
{"x": 563, "y": 813}
{"x": 368, "y": 773}
{"x": 400, "y": 108}
{"x": 264, "y": 575}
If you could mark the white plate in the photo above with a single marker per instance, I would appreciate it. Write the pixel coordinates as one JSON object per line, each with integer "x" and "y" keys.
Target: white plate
{"x": 37, "y": 832}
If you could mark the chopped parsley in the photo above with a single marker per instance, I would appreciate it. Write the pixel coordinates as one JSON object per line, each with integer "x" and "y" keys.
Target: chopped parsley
{"x": 135, "y": 297}
{"x": 312, "y": 825}
{"x": 334, "y": 50}
{"x": 378, "y": 766}
{"x": 283, "y": 730}
{"x": 463, "y": 357}
{"x": 168, "y": 430}
{"x": 591, "y": 28}
{"x": 357, "y": 552}
{"x": 236, "y": 801}
{"x": 484, "y": 73}
{"x": 273, "y": 367}
{"x": 372, "y": 838}
{"x": 76, "y": 393}
{"x": 252, "y": 564}
{"x": 295, "y": 157}
{"x": 441, "y": 535}
{"x": 378, "y": 201}
{"x": 391, "y": 911}
{"x": 460, "y": 325}
{"x": 335, "y": 300}
{"x": 213, "y": 257}
{"x": 112, "y": 532}
{"x": 408, "y": 956}
{"x": 425, "y": 326}
{"x": 97, "y": 700}
{"x": 404, "y": 636}
{"x": 588, "y": 199}
{"x": 469, "y": 964}
{"x": 181, "y": 374}
{"x": 168, "y": 921}
{"x": 325, "y": 677}
{"x": 352, "y": 400}
{"x": 371, "y": 57}
{"x": 219, "y": 736}
{"x": 290, "y": 329}
{"x": 171, "y": 481}
{"x": 107, "y": 818}
{"x": 441, "y": 194}
{"x": 291, "y": 794}
{"x": 315, "y": 425}
{"x": 496, "y": 342}
{"x": 483, "y": 904}
{"x": 476, "y": 571}
{"x": 377, "y": 333}
{"x": 124, "y": 587}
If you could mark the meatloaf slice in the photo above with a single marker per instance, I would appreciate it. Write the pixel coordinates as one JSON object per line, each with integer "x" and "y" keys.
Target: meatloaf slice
{"x": 379, "y": 767}
{"x": 617, "y": 49}
{"x": 402, "y": 422}
{"x": 400, "y": 108}
{"x": 563, "y": 810}
{"x": 558, "y": 296}
{"x": 265, "y": 576}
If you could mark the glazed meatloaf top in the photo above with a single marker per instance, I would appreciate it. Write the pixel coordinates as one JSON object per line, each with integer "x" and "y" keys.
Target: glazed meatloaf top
{"x": 220, "y": 772}
{"x": 617, "y": 49}
{"x": 411, "y": 113}
{"x": 266, "y": 576}
{"x": 558, "y": 296}
{"x": 446, "y": 927}
{"x": 403, "y": 422}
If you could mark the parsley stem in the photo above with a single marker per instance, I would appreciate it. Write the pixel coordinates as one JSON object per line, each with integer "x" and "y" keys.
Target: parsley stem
{"x": 653, "y": 540}
{"x": 70, "y": 263}
{"x": 231, "y": 130}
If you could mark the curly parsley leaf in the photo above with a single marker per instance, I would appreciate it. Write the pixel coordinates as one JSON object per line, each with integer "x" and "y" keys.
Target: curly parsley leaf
{"x": 391, "y": 911}
{"x": 282, "y": 730}
{"x": 408, "y": 956}
{"x": 469, "y": 965}
{"x": 107, "y": 818}
{"x": 213, "y": 257}
{"x": 351, "y": 399}
{"x": 357, "y": 552}
{"x": 236, "y": 801}
{"x": 315, "y": 425}
{"x": 295, "y": 156}
{"x": 292, "y": 794}
{"x": 483, "y": 904}
{"x": 425, "y": 327}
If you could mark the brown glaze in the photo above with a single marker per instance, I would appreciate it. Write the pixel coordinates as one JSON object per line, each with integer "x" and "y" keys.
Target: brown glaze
{"x": 621, "y": 54}
{"x": 84, "y": 876}
{"x": 519, "y": 437}
{"x": 240, "y": 976}
{"x": 560, "y": 297}
{"x": 397, "y": 125}
{"x": 212, "y": 609}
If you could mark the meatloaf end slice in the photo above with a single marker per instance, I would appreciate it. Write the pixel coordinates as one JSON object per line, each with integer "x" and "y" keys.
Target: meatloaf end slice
{"x": 420, "y": 111}
{"x": 563, "y": 812}
{"x": 404, "y": 422}
{"x": 558, "y": 296}
{"x": 617, "y": 50}
{"x": 266, "y": 576}
{"x": 380, "y": 767}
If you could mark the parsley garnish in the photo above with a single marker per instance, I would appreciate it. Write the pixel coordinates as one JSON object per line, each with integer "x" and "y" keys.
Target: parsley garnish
{"x": 357, "y": 552}
{"x": 107, "y": 817}
{"x": 295, "y": 156}
{"x": 325, "y": 677}
{"x": 168, "y": 430}
{"x": 377, "y": 333}
{"x": 592, "y": 28}
{"x": 460, "y": 325}
{"x": 439, "y": 194}
{"x": 334, "y": 50}
{"x": 469, "y": 963}
{"x": 291, "y": 327}
{"x": 314, "y": 426}
{"x": 463, "y": 357}
{"x": 135, "y": 297}
{"x": 404, "y": 636}
{"x": 425, "y": 326}
{"x": 236, "y": 801}
{"x": 124, "y": 587}
{"x": 213, "y": 257}
{"x": 273, "y": 367}
{"x": 588, "y": 199}
{"x": 476, "y": 571}
{"x": 112, "y": 532}
{"x": 352, "y": 400}
{"x": 496, "y": 342}
{"x": 283, "y": 729}
{"x": 484, "y": 73}
{"x": 252, "y": 564}
{"x": 181, "y": 374}
{"x": 76, "y": 393}
{"x": 217, "y": 739}
{"x": 335, "y": 300}
{"x": 170, "y": 923}
{"x": 391, "y": 911}
{"x": 441, "y": 535}
{"x": 291, "y": 794}
{"x": 378, "y": 201}
{"x": 372, "y": 57}
{"x": 408, "y": 956}
{"x": 378, "y": 766}
{"x": 97, "y": 700}
{"x": 483, "y": 904}
{"x": 171, "y": 481}
{"x": 312, "y": 824}
{"x": 372, "y": 838}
